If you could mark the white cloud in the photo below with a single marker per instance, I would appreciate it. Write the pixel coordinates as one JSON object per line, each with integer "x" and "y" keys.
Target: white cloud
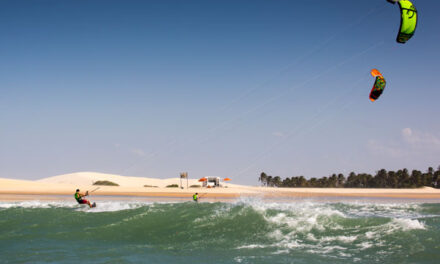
{"x": 386, "y": 150}
{"x": 278, "y": 134}
{"x": 407, "y": 132}
{"x": 138, "y": 152}
{"x": 411, "y": 144}
{"x": 420, "y": 139}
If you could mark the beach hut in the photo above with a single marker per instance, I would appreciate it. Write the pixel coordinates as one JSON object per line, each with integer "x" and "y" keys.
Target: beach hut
{"x": 211, "y": 181}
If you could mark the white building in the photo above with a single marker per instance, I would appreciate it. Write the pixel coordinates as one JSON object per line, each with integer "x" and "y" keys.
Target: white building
{"x": 211, "y": 181}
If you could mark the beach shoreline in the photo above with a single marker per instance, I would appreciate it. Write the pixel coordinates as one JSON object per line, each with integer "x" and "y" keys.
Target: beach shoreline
{"x": 65, "y": 185}
{"x": 62, "y": 195}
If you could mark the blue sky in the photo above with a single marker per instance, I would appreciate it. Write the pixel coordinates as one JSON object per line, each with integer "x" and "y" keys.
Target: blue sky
{"x": 226, "y": 88}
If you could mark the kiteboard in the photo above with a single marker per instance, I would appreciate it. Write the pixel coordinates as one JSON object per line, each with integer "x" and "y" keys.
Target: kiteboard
{"x": 93, "y": 205}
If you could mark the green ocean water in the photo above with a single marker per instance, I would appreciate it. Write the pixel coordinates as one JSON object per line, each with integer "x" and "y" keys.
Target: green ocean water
{"x": 243, "y": 231}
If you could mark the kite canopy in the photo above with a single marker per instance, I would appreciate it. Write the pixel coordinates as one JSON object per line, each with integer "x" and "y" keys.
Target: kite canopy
{"x": 226, "y": 179}
{"x": 379, "y": 85}
{"x": 408, "y": 20}
{"x": 375, "y": 73}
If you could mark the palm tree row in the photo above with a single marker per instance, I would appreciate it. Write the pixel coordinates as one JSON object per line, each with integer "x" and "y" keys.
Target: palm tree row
{"x": 382, "y": 179}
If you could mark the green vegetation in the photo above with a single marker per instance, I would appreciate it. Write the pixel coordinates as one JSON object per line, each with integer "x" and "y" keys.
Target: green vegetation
{"x": 382, "y": 179}
{"x": 150, "y": 186}
{"x": 173, "y": 186}
{"x": 195, "y": 186}
{"x": 106, "y": 183}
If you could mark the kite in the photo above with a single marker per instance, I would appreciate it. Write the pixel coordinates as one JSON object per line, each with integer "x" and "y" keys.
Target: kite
{"x": 379, "y": 85}
{"x": 408, "y": 20}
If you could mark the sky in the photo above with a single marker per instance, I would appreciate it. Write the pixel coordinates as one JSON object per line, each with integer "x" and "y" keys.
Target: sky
{"x": 215, "y": 88}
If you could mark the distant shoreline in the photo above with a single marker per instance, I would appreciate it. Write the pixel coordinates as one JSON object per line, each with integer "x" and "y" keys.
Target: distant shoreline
{"x": 217, "y": 194}
{"x": 134, "y": 187}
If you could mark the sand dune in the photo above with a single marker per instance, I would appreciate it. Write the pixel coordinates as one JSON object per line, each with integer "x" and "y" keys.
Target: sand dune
{"x": 88, "y": 178}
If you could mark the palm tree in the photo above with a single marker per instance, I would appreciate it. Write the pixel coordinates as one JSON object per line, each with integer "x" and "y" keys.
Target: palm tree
{"x": 302, "y": 182}
{"x": 277, "y": 181}
{"x": 380, "y": 179}
{"x": 341, "y": 180}
{"x": 313, "y": 182}
{"x": 333, "y": 180}
{"x": 263, "y": 178}
{"x": 392, "y": 180}
{"x": 351, "y": 180}
{"x": 269, "y": 181}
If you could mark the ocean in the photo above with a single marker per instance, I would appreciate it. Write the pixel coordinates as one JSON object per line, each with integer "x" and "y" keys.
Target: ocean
{"x": 238, "y": 231}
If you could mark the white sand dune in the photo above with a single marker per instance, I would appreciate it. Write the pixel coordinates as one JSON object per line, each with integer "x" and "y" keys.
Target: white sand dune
{"x": 88, "y": 178}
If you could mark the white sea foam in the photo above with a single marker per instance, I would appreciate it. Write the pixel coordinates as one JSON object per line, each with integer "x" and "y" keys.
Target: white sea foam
{"x": 106, "y": 206}
{"x": 370, "y": 234}
{"x": 222, "y": 211}
{"x": 113, "y": 206}
{"x": 307, "y": 225}
{"x": 311, "y": 237}
{"x": 276, "y": 234}
{"x": 288, "y": 243}
{"x": 345, "y": 255}
{"x": 344, "y": 239}
{"x": 326, "y": 249}
{"x": 301, "y": 217}
{"x": 389, "y": 210}
{"x": 393, "y": 226}
{"x": 408, "y": 224}
{"x": 281, "y": 251}
{"x": 364, "y": 245}
{"x": 252, "y": 246}
{"x": 38, "y": 204}
{"x": 238, "y": 259}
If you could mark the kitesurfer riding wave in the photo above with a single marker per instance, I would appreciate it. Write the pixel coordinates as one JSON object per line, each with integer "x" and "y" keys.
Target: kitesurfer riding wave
{"x": 79, "y": 198}
{"x": 196, "y": 197}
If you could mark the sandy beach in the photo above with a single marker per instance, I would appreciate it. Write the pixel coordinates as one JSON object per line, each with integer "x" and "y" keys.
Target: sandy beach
{"x": 12, "y": 189}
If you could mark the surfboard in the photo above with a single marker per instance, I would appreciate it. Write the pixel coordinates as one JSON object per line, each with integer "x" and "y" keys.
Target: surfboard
{"x": 93, "y": 205}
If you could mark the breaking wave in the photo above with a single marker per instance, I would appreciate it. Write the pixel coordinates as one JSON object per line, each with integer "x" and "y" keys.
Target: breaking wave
{"x": 244, "y": 231}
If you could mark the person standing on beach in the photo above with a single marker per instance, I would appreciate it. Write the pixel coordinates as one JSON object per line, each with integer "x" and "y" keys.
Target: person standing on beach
{"x": 79, "y": 198}
{"x": 196, "y": 197}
